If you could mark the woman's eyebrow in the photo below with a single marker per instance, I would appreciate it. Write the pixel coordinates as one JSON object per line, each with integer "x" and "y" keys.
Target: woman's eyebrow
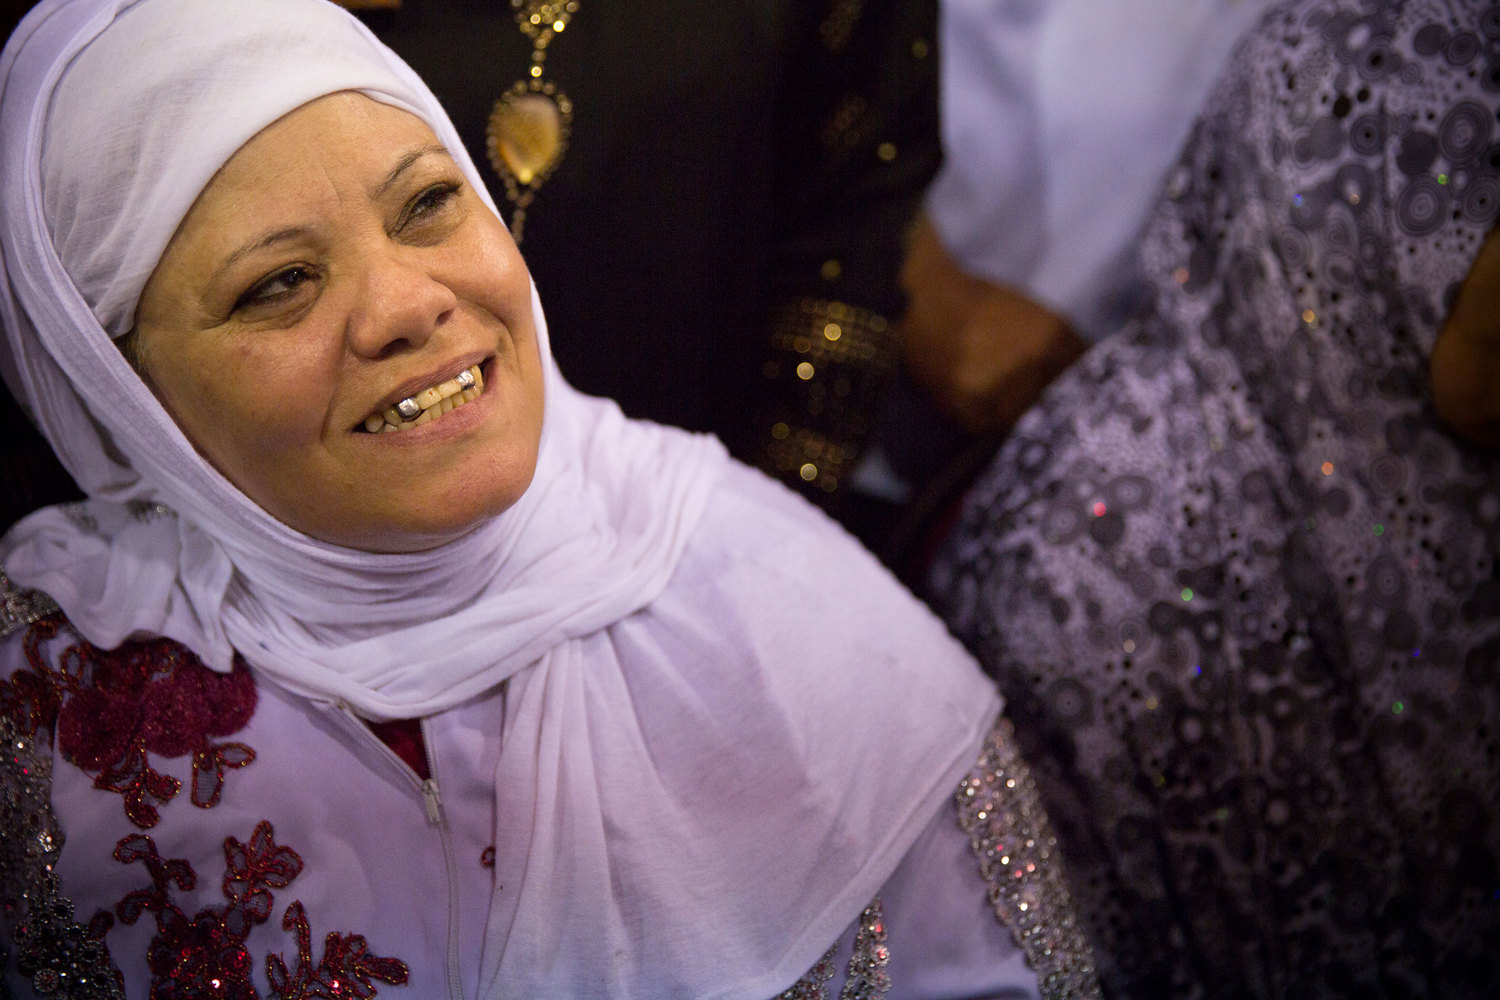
{"x": 292, "y": 232}
{"x": 407, "y": 161}
{"x": 269, "y": 239}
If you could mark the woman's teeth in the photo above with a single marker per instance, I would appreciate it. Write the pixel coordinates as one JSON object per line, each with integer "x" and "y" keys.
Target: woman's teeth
{"x": 429, "y": 404}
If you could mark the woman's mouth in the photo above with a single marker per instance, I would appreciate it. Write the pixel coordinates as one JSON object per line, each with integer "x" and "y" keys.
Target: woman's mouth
{"x": 429, "y": 404}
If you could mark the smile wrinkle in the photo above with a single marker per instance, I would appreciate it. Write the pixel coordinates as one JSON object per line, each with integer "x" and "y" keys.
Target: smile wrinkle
{"x": 433, "y": 402}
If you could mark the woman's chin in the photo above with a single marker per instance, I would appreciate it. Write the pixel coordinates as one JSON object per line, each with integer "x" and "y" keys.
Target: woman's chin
{"x": 418, "y": 525}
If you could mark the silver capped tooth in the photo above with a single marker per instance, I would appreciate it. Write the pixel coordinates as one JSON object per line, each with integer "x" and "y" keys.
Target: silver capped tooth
{"x": 408, "y": 408}
{"x": 465, "y": 379}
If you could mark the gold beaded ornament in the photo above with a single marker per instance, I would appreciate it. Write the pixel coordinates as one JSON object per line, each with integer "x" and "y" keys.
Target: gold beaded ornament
{"x": 530, "y": 123}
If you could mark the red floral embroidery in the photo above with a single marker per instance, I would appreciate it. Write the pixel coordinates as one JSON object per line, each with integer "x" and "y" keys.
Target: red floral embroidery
{"x": 30, "y": 698}
{"x": 205, "y": 955}
{"x": 254, "y": 868}
{"x": 346, "y": 970}
{"x": 200, "y": 956}
{"x": 112, "y": 708}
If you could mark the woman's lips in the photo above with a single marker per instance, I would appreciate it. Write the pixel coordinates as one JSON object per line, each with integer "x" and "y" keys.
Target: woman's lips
{"x": 429, "y": 404}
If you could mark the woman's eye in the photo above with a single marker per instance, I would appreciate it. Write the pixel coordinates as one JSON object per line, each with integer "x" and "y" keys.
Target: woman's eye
{"x": 275, "y": 288}
{"x": 428, "y": 203}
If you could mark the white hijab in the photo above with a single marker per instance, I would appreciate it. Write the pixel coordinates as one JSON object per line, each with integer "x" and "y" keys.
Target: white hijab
{"x": 835, "y": 715}
{"x": 95, "y": 182}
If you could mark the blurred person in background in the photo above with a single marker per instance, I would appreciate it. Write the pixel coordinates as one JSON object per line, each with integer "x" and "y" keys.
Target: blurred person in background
{"x": 1059, "y": 120}
{"x": 1238, "y": 574}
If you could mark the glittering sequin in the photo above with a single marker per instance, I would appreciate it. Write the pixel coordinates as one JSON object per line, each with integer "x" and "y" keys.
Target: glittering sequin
{"x": 999, "y": 809}
{"x": 146, "y": 512}
{"x": 58, "y": 956}
{"x": 866, "y": 978}
{"x": 19, "y": 608}
{"x": 813, "y": 985}
{"x": 348, "y": 969}
{"x": 205, "y": 955}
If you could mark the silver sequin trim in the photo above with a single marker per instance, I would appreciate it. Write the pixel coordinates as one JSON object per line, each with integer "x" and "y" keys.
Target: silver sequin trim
{"x": 866, "y": 979}
{"x": 814, "y": 985}
{"x": 998, "y": 807}
{"x": 19, "y": 608}
{"x": 51, "y": 949}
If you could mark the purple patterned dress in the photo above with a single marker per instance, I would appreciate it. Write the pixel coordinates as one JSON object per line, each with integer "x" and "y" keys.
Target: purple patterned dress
{"x": 1240, "y": 588}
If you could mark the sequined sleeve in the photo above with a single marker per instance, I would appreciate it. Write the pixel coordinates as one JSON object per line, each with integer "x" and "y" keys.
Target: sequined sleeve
{"x": 858, "y": 145}
{"x": 1000, "y": 810}
{"x": 41, "y": 944}
{"x": 1001, "y": 816}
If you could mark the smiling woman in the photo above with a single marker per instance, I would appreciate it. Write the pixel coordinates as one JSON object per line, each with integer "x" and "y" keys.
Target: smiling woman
{"x": 338, "y": 265}
{"x": 488, "y": 689}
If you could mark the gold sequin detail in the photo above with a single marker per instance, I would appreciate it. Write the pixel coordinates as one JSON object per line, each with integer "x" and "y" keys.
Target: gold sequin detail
{"x": 813, "y": 985}
{"x": 849, "y": 125}
{"x": 830, "y": 363}
{"x": 867, "y": 978}
{"x": 838, "y": 26}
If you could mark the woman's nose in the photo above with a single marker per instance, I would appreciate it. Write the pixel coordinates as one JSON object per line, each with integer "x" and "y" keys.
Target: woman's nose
{"x": 402, "y": 303}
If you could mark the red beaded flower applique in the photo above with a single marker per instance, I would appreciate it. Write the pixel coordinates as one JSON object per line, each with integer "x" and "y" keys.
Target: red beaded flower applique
{"x": 205, "y": 955}
{"x": 111, "y": 709}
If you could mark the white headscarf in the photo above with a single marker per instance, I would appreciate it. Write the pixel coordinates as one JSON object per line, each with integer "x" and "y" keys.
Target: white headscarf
{"x": 96, "y": 180}
{"x": 782, "y": 709}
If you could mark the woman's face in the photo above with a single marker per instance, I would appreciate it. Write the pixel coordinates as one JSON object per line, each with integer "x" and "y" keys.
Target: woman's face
{"x": 338, "y": 264}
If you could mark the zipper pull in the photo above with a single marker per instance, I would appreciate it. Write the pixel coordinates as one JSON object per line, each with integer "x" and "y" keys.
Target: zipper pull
{"x": 434, "y": 802}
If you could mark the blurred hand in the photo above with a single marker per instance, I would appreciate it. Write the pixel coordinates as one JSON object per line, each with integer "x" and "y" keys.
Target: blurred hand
{"x": 985, "y": 352}
{"x": 1465, "y": 362}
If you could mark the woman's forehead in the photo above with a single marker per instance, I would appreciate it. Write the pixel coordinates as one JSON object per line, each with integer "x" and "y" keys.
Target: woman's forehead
{"x": 344, "y": 128}
{"x": 297, "y": 184}
{"x": 317, "y": 155}
{"x": 126, "y": 153}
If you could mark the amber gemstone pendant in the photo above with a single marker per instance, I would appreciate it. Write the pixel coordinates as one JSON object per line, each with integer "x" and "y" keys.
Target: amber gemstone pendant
{"x": 526, "y": 139}
{"x": 529, "y": 125}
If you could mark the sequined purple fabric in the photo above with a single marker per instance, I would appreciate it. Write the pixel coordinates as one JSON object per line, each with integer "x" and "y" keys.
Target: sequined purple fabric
{"x": 1241, "y": 589}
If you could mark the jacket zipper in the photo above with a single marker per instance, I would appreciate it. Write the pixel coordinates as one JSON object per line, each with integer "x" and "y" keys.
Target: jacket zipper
{"x": 432, "y": 802}
{"x": 433, "y": 799}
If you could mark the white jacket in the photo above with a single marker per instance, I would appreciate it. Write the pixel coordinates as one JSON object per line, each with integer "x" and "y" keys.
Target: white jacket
{"x": 217, "y": 826}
